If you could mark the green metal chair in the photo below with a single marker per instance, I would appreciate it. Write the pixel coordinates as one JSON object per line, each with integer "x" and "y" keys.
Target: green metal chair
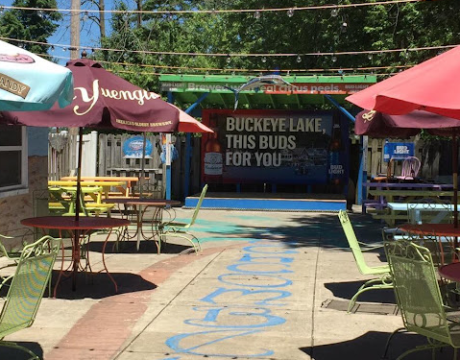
{"x": 419, "y": 297}
{"x": 384, "y": 281}
{"x": 13, "y": 256}
{"x": 14, "y": 253}
{"x": 181, "y": 230}
{"x": 27, "y": 287}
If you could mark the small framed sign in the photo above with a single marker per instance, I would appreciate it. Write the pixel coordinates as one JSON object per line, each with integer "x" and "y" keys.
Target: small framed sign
{"x": 133, "y": 148}
{"x": 398, "y": 151}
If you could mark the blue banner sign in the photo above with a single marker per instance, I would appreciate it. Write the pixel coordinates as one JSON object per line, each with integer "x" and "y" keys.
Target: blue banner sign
{"x": 397, "y": 151}
{"x": 133, "y": 148}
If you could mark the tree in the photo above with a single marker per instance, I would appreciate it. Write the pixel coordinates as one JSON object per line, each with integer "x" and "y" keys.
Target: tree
{"x": 298, "y": 33}
{"x": 32, "y": 25}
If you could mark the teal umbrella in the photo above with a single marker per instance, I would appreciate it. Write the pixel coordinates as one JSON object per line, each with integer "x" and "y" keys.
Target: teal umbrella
{"x": 29, "y": 83}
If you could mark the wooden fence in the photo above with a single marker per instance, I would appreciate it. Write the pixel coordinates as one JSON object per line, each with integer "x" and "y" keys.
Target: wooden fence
{"x": 112, "y": 162}
{"x": 430, "y": 158}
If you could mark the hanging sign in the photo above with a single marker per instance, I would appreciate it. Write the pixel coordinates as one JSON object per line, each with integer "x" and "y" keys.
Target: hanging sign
{"x": 398, "y": 151}
{"x": 133, "y": 148}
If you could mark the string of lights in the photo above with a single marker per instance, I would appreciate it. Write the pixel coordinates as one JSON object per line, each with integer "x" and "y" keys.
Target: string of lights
{"x": 339, "y": 72}
{"x": 256, "y": 12}
{"x": 153, "y": 69}
{"x": 235, "y": 55}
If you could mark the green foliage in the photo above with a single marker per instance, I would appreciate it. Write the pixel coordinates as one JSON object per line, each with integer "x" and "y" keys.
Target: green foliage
{"x": 379, "y": 27}
{"x": 301, "y": 35}
{"x": 30, "y": 25}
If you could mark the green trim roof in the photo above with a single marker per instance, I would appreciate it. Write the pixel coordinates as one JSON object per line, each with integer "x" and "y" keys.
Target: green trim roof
{"x": 303, "y": 91}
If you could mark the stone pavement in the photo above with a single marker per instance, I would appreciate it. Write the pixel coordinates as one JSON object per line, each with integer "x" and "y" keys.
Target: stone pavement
{"x": 267, "y": 285}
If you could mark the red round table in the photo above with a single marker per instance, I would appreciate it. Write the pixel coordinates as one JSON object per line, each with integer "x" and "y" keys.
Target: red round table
{"x": 78, "y": 230}
{"x": 431, "y": 229}
{"x": 159, "y": 204}
{"x": 450, "y": 271}
{"x": 438, "y": 230}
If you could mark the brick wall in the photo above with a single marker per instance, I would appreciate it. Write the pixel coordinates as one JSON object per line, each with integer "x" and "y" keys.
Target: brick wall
{"x": 15, "y": 208}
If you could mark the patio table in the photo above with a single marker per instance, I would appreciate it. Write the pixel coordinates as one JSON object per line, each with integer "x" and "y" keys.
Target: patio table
{"x": 447, "y": 230}
{"x": 57, "y": 192}
{"x": 106, "y": 185}
{"x": 386, "y": 192}
{"x": 126, "y": 189}
{"x": 398, "y": 211}
{"x": 450, "y": 271}
{"x": 438, "y": 230}
{"x": 78, "y": 230}
{"x": 140, "y": 207}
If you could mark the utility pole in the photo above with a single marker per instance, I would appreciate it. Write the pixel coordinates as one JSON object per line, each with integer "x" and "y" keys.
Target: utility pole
{"x": 102, "y": 18}
{"x": 139, "y": 14}
{"x": 74, "y": 54}
{"x": 75, "y": 30}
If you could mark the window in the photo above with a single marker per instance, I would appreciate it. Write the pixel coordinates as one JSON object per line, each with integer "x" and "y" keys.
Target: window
{"x": 13, "y": 158}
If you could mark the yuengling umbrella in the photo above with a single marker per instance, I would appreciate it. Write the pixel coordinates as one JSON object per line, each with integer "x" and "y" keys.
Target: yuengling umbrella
{"x": 105, "y": 100}
{"x": 28, "y": 82}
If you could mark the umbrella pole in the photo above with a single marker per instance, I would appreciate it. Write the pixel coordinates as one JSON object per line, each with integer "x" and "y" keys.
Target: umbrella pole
{"x": 141, "y": 180}
{"x": 80, "y": 152}
{"x": 455, "y": 176}
{"x": 141, "y": 186}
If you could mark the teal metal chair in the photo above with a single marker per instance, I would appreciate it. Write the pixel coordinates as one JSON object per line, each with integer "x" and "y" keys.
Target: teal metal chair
{"x": 383, "y": 281}
{"x": 419, "y": 297}
{"x": 26, "y": 290}
{"x": 181, "y": 230}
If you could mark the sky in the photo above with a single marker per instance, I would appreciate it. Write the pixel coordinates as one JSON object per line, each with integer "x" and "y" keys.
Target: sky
{"x": 89, "y": 31}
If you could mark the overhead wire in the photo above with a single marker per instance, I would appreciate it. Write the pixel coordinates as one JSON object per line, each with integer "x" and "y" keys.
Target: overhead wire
{"x": 215, "y": 11}
{"x": 330, "y": 53}
{"x": 264, "y": 56}
{"x": 337, "y": 71}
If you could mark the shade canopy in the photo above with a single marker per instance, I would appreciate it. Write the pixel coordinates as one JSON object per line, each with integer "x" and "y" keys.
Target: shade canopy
{"x": 105, "y": 100}
{"x": 28, "y": 82}
{"x": 432, "y": 86}
{"x": 376, "y": 124}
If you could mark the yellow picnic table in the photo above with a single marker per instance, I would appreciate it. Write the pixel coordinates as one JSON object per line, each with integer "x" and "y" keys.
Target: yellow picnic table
{"x": 126, "y": 188}
{"x": 63, "y": 199}
{"x": 106, "y": 185}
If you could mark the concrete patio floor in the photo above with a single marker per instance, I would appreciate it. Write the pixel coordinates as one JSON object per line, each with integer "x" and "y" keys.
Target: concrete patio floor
{"x": 258, "y": 290}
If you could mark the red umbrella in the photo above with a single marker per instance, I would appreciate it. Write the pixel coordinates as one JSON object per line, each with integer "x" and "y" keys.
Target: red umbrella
{"x": 432, "y": 86}
{"x": 104, "y": 100}
{"x": 379, "y": 125}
